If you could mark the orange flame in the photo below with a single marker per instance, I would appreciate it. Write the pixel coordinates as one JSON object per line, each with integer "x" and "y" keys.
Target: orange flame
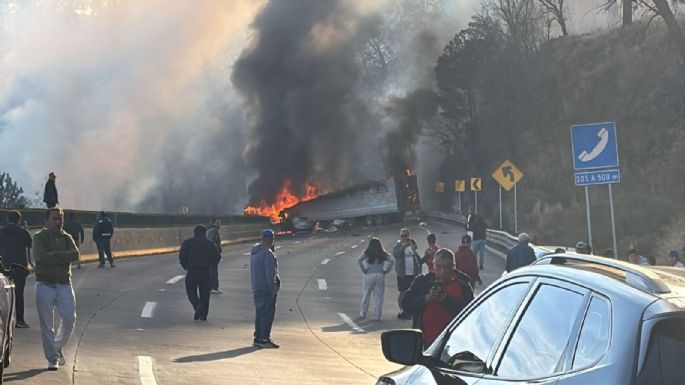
{"x": 284, "y": 199}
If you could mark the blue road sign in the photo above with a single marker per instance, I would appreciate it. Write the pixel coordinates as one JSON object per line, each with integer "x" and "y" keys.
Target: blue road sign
{"x": 594, "y": 146}
{"x": 597, "y": 177}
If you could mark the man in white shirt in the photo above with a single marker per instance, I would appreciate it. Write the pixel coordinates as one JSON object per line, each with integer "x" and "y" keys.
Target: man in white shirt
{"x": 407, "y": 266}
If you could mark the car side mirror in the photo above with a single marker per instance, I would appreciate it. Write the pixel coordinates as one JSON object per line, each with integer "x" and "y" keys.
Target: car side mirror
{"x": 403, "y": 347}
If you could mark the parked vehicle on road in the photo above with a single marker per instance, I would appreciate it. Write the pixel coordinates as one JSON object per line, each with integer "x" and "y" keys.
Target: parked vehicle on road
{"x": 567, "y": 319}
{"x": 7, "y": 316}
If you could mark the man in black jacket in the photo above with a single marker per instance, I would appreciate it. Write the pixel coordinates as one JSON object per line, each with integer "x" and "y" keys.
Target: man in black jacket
{"x": 15, "y": 243}
{"x": 198, "y": 255}
{"x": 50, "y": 193}
{"x": 74, "y": 228}
{"x": 102, "y": 235}
{"x": 434, "y": 299}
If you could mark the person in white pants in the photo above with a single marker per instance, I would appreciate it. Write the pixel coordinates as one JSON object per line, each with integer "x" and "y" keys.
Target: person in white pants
{"x": 375, "y": 263}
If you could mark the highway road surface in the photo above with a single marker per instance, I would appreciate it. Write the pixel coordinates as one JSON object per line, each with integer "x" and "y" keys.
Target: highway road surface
{"x": 135, "y": 324}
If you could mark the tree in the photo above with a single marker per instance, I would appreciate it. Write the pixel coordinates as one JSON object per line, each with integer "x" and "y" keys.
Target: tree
{"x": 11, "y": 195}
{"x": 674, "y": 30}
{"x": 556, "y": 10}
{"x": 522, "y": 19}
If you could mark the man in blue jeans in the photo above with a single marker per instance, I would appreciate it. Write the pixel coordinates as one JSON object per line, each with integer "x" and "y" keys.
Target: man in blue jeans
{"x": 54, "y": 251}
{"x": 265, "y": 285}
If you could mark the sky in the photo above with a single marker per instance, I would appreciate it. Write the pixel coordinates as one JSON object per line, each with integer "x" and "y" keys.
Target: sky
{"x": 127, "y": 100}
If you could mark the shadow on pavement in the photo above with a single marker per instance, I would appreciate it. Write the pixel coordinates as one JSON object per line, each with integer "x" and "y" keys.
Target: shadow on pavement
{"x": 218, "y": 355}
{"x": 23, "y": 375}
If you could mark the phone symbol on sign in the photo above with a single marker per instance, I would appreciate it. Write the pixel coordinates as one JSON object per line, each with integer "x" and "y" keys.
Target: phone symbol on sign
{"x": 603, "y": 135}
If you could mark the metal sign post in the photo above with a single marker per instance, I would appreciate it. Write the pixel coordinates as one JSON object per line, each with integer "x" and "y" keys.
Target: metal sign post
{"x": 500, "y": 207}
{"x": 613, "y": 222}
{"x": 460, "y": 203}
{"x": 476, "y": 201}
{"x": 516, "y": 226}
{"x": 589, "y": 222}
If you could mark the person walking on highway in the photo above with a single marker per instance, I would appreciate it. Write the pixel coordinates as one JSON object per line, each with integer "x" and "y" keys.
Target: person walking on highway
{"x": 480, "y": 230}
{"x": 674, "y": 257}
{"x": 430, "y": 251}
{"x": 214, "y": 235}
{"x": 520, "y": 255}
{"x": 465, "y": 261}
{"x": 197, "y": 256}
{"x": 15, "y": 246}
{"x": 375, "y": 263}
{"x": 265, "y": 286}
{"x": 74, "y": 228}
{"x": 102, "y": 235}
{"x": 50, "y": 193}
{"x": 407, "y": 266}
{"x": 435, "y": 298}
{"x": 54, "y": 251}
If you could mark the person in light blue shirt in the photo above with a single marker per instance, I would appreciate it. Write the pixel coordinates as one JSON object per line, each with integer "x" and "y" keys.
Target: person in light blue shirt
{"x": 265, "y": 285}
{"x": 375, "y": 263}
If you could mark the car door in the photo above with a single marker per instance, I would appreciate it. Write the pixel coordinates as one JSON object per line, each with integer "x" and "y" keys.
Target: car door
{"x": 537, "y": 344}
{"x": 461, "y": 355}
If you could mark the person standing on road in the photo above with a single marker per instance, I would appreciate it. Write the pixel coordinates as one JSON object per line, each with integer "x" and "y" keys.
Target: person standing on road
{"x": 54, "y": 252}
{"x": 407, "y": 267}
{"x": 465, "y": 261}
{"x": 520, "y": 255}
{"x": 430, "y": 252}
{"x": 375, "y": 263}
{"x": 214, "y": 235}
{"x": 435, "y": 298}
{"x": 102, "y": 235}
{"x": 15, "y": 244}
{"x": 74, "y": 228}
{"x": 265, "y": 286}
{"x": 674, "y": 257}
{"x": 50, "y": 193}
{"x": 480, "y": 231}
{"x": 197, "y": 256}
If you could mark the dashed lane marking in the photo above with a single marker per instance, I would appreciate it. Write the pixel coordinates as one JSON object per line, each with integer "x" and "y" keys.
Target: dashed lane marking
{"x": 355, "y": 246}
{"x": 248, "y": 253}
{"x": 278, "y": 247}
{"x": 296, "y": 243}
{"x": 147, "y": 376}
{"x": 340, "y": 253}
{"x": 325, "y": 261}
{"x": 322, "y": 284}
{"x": 351, "y": 323}
{"x": 175, "y": 279}
{"x": 148, "y": 309}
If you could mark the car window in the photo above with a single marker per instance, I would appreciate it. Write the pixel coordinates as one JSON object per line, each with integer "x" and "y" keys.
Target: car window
{"x": 474, "y": 338}
{"x": 664, "y": 360}
{"x": 594, "y": 334}
{"x": 537, "y": 346}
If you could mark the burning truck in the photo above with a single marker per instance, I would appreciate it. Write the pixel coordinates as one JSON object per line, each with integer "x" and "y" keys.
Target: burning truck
{"x": 370, "y": 203}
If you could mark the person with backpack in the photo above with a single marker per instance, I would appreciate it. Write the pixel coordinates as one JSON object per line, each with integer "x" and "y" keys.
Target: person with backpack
{"x": 375, "y": 263}
{"x": 214, "y": 235}
{"x": 102, "y": 235}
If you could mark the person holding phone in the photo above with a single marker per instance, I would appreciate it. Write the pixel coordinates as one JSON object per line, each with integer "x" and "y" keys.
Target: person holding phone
{"x": 407, "y": 266}
{"x": 435, "y": 298}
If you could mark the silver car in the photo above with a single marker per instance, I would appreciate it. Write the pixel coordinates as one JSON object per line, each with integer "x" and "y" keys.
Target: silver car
{"x": 568, "y": 319}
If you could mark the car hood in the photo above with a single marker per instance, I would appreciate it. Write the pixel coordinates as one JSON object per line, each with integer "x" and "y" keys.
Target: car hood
{"x": 420, "y": 375}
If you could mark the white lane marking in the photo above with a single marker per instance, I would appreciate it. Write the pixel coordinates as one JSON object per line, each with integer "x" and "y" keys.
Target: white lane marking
{"x": 355, "y": 246}
{"x": 147, "y": 376}
{"x": 248, "y": 253}
{"x": 369, "y": 236}
{"x": 350, "y": 322}
{"x": 322, "y": 284}
{"x": 325, "y": 261}
{"x": 427, "y": 231}
{"x": 161, "y": 289}
{"x": 175, "y": 279}
{"x": 296, "y": 243}
{"x": 148, "y": 309}
{"x": 278, "y": 247}
{"x": 340, "y": 253}
{"x": 362, "y": 241}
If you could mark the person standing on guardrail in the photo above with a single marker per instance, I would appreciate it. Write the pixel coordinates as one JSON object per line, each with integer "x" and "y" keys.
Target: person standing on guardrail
{"x": 102, "y": 235}
{"x": 74, "y": 228}
{"x": 435, "y": 298}
{"x": 430, "y": 252}
{"x": 265, "y": 286}
{"x": 214, "y": 235}
{"x": 50, "y": 193}
{"x": 480, "y": 229}
{"x": 465, "y": 261}
{"x": 54, "y": 252}
{"x": 197, "y": 256}
{"x": 520, "y": 255}
{"x": 15, "y": 243}
{"x": 407, "y": 267}
{"x": 375, "y": 263}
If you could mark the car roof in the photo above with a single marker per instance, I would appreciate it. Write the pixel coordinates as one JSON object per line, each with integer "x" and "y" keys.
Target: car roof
{"x": 647, "y": 283}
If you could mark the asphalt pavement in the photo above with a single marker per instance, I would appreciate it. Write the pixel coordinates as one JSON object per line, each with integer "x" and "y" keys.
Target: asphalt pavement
{"x": 135, "y": 325}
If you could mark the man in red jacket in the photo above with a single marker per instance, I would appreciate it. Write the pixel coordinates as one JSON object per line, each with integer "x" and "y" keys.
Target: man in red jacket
{"x": 465, "y": 261}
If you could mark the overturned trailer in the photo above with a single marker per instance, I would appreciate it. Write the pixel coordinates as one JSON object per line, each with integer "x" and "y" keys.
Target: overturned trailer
{"x": 371, "y": 203}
